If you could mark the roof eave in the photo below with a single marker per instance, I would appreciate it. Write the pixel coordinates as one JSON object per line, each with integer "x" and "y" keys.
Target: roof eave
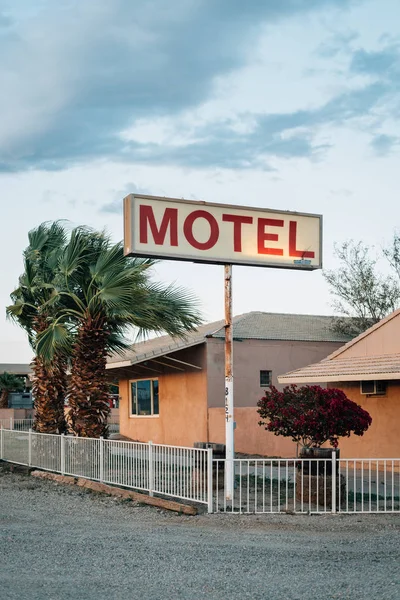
{"x": 154, "y": 354}
{"x": 338, "y": 378}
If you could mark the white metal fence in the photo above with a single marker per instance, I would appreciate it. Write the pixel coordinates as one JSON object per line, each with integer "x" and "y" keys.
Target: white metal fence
{"x": 18, "y": 424}
{"x": 113, "y": 424}
{"x": 259, "y": 486}
{"x": 26, "y": 424}
{"x": 166, "y": 470}
{"x": 309, "y": 486}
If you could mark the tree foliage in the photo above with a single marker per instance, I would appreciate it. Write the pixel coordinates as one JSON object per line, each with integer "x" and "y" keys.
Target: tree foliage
{"x": 362, "y": 294}
{"x": 81, "y": 306}
{"x": 9, "y": 383}
{"x": 34, "y": 307}
{"x": 312, "y": 415}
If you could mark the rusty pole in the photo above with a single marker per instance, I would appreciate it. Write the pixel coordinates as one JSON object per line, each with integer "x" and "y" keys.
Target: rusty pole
{"x": 229, "y": 422}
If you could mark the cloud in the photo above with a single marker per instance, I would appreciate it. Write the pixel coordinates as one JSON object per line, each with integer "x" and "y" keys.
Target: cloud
{"x": 382, "y": 144}
{"x": 280, "y": 135}
{"x": 338, "y": 43}
{"x": 115, "y": 206}
{"x": 380, "y": 63}
{"x": 77, "y": 74}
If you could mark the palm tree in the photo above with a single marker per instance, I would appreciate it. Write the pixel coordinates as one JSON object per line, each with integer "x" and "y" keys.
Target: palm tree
{"x": 34, "y": 306}
{"x": 106, "y": 294}
{"x": 9, "y": 383}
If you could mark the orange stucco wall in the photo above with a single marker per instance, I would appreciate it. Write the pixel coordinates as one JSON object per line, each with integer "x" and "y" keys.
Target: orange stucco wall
{"x": 183, "y": 411}
{"x": 250, "y": 438}
{"x": 382, "y": 440}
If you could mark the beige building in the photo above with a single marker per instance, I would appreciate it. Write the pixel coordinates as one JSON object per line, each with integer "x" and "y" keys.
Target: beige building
{"x": 367, "y": 369}
{"x": 172, "y": 391}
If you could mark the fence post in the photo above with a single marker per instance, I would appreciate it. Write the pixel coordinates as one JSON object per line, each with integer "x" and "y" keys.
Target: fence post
{"x": 11, "y": 423}
{"x": 1, "y": 443}
{"x": 151, "y": 470}
{"x": 333, "y": 481}
{"x": 30, "y": 447}
{"x": 62, "y": 454}
{"x": 210, "y": 479}
{"x": 101, "y": 459}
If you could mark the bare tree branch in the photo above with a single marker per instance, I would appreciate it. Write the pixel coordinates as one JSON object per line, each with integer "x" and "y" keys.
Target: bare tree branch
{"x": 361, "y": 293}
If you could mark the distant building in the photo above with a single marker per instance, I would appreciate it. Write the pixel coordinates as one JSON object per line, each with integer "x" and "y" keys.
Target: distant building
{"x": 15, "y": 369}
{"x": 18, "y": 400}
{"x": 367, "y": 369}
{"x": 172, "y": 391}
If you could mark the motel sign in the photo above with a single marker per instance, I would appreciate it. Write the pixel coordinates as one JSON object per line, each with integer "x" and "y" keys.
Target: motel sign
{"x": 219, "y": 233}
{"x": 222, "y": 234}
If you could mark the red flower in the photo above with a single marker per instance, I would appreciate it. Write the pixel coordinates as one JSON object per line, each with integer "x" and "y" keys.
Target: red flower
{"x": 312, "y": 415}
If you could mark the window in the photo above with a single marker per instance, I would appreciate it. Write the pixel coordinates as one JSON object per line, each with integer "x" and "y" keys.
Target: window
{"x": 265, "y": 378}
{"x": 144, "y": 398}
{"x": 373, "y": 388}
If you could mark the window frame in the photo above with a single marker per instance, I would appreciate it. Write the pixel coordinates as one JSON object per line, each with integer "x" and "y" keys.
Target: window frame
{"x": 262, "y": 385}
{"x": 375, "y": 393}
{"x": 152, "y": 416}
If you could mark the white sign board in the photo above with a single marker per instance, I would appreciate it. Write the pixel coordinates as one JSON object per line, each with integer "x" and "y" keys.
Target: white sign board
{"x": 219, "y": 233}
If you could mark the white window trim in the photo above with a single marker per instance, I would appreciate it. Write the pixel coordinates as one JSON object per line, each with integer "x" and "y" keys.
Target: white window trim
{"x": 131, "y": 416}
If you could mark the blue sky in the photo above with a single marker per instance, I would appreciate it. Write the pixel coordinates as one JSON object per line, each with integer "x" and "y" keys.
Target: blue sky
{"x": 286, "y": 104}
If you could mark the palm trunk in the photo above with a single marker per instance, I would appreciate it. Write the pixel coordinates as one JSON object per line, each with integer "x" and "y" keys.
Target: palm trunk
{"x": 88, "y": 390}
{"x": 49, "y": 389}
{"x": 4, "y": 399}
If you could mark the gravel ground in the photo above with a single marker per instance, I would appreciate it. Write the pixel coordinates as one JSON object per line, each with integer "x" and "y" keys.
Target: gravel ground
{"x": 59, "y": 542}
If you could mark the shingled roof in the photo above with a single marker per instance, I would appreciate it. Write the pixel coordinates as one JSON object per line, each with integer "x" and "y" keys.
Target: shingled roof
{"x": 363, "y": 368}
{"x": 282, "y": 326}
{"x": 344, "y": 366}
{"x": 252, "y": 325}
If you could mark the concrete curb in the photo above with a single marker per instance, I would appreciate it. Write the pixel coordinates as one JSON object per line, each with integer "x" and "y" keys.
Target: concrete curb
{"x": 103, "y": 488}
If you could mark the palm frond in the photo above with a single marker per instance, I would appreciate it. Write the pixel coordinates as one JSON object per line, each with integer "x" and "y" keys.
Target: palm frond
{"x": 55, "y": 339}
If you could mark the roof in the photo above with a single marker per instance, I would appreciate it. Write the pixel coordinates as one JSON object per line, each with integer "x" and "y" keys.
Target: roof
{"x": 283, "y": 326}
{"x": 339, "y": 366}
{"x": 347, "y": 369}
{"x": 164, "y": 344}
{"x": 252, "y": 325}
{"x": 15, "y": 369}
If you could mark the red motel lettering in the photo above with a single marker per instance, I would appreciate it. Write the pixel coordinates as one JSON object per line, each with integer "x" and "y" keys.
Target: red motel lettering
{"x": 188, "y": 230}
{"x": 292, "y": 243}
{"x": 237, "y": 221}
{"x": 262, "y": 236}
{"x": 170, "y": 218}
{"x": 169, "y": 224}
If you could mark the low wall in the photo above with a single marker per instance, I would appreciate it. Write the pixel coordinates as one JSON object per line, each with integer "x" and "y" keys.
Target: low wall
{"x": 16, "y": 413}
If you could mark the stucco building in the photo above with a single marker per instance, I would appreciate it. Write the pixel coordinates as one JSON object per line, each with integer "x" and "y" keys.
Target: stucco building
{"x": 367, "y": 369}
{"x": 172, "y": 391}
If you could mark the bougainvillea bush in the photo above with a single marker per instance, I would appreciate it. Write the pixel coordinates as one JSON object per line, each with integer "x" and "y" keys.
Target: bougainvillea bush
{"x": 312, "y": 415}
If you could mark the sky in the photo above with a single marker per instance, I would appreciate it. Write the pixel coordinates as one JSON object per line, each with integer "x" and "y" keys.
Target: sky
{"x": 283, "y": 104}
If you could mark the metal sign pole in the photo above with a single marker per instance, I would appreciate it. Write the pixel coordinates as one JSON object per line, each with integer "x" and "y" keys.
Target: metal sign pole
{"x": 229, "y": 422}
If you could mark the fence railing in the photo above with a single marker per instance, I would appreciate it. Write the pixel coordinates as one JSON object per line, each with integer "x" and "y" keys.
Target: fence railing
{"x": 26, "y": 424}
{"x": 309, "y": 485}
{"x": 301, "y": 485}
{"x": 18, "y": 424}
{"x": 166, "y": 470}
{"x": 113, "y": 424}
